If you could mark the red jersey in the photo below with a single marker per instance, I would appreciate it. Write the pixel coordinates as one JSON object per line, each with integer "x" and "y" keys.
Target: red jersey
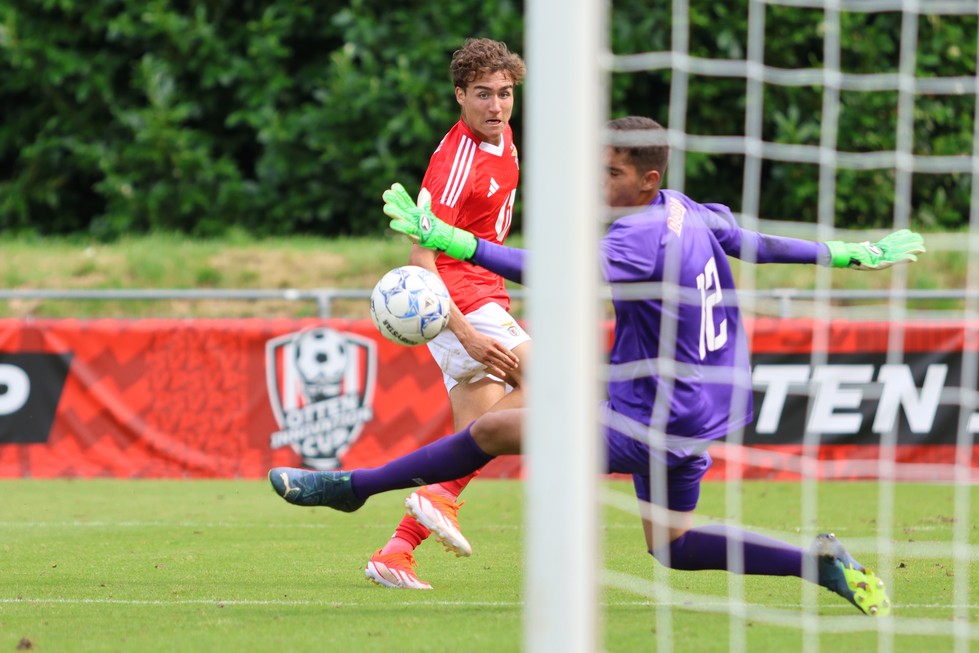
{"x": 473, "y": 186}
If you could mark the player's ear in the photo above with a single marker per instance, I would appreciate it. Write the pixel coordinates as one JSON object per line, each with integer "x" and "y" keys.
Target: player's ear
{"x": 460, "y": 94}
{"x": 650, "y": 181}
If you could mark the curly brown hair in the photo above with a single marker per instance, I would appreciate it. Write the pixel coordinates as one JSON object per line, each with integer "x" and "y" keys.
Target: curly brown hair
{"x": 480, "y": 56}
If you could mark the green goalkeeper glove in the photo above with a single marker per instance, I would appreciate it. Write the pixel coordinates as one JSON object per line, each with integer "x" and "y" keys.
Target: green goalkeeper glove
{"x": 416, "y": 220}
{"x": 898, "y": 247}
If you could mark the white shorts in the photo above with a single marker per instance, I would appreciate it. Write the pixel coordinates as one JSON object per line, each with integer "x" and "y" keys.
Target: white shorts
{"x": 456, "y": 363}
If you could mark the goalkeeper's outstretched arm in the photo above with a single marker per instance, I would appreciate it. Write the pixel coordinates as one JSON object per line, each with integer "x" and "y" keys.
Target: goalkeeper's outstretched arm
{"x": 899, "y": 247}
{"x": 902, "y": 246}
{"x": 416, "y": 220}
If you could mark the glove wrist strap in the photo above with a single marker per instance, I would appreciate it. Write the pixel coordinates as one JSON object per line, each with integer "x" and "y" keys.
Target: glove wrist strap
{"x": 839, "y": 254}
{"x": 462, "y": 245}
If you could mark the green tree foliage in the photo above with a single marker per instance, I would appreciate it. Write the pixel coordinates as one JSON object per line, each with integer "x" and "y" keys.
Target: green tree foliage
{"x": 286, "y": 116}
{"x": 276, "y": 117}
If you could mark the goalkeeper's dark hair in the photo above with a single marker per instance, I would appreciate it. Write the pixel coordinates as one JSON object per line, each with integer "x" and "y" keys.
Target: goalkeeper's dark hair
{"x": 480, "y": 56}
{"x": 646, "y": 151}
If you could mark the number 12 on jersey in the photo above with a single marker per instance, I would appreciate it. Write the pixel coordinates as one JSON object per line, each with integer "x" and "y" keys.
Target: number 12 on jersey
{"x": 712, "y": 336}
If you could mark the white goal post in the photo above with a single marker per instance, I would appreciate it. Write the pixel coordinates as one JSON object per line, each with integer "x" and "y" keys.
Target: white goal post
{"x": 565, "y": 108}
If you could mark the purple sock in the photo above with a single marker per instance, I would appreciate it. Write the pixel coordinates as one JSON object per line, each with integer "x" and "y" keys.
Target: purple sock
{"x": 451, "y": 457}
{"x": 706, "y": 548}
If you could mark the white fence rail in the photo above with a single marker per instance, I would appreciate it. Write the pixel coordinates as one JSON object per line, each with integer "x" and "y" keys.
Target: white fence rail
{"x": 784, "y": 302}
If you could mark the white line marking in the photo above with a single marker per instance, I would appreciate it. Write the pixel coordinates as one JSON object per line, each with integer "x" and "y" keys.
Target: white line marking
{"x": 361, "y": 604}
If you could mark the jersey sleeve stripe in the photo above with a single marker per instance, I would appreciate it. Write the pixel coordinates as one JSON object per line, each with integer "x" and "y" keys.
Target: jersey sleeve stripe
{"x": 459, "y": 172}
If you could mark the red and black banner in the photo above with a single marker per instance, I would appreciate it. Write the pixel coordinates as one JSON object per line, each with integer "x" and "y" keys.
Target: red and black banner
{"x": 859, "y": 397}
{"x": 231, "y": 398}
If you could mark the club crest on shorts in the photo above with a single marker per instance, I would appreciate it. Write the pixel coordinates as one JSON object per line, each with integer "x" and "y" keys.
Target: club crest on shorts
{"x": 321, "y": 387}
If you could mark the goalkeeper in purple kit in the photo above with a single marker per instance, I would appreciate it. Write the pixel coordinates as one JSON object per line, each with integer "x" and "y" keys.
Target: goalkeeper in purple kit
{"x": 653, "y": 420}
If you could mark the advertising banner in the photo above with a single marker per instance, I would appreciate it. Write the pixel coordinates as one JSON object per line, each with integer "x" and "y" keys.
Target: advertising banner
{"x": 231, "y": 398}
{"x": 209, "y": 398}
{"x": 859, "y": 396}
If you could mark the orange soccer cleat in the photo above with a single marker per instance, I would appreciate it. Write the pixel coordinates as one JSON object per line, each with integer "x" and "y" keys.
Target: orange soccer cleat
{"x": 439, "y": 515}
{"x": 394, "y": 570}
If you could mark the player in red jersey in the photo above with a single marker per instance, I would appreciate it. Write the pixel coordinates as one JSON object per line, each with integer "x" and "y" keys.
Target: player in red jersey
{"x": 472, "y": 178}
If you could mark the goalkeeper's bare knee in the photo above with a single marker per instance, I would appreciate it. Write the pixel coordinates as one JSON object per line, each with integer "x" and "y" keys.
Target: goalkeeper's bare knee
{"x": 500, "y": 432}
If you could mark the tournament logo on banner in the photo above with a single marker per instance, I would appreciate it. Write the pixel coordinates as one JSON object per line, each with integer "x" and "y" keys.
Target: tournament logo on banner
{"x": 321, "y": 386}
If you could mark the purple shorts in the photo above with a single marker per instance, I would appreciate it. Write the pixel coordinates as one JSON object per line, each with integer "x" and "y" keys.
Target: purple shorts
{"x": 684, "y": 468}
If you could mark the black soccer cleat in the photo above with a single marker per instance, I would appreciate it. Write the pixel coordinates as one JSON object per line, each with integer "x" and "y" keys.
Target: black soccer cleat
{"x": 303, "y": 487}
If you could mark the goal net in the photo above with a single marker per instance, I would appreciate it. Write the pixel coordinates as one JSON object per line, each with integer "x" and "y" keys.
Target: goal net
{"x": 883, "y": 126}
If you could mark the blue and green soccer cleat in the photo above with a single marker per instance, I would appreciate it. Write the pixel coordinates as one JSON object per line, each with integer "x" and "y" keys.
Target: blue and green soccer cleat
{"x": 839, "y": 572}
{"x": 303, "y": 487}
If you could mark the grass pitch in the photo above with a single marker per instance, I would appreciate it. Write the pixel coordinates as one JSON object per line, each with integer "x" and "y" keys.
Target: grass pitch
{"x": 134, "y": 566}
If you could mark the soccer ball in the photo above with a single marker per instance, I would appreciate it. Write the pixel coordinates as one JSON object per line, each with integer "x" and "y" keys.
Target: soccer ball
{"x": 410, "y": 305}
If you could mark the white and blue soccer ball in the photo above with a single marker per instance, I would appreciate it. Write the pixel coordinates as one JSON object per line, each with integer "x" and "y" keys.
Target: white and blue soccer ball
{"x": 410, "y": 305}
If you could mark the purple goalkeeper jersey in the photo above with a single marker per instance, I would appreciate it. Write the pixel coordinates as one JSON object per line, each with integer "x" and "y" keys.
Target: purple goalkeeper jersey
{"x": 679, "y": 361}
{"x": 686, "y": 313}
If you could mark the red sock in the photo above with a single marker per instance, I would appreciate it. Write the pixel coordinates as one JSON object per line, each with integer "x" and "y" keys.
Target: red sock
{"x": 407, "y": 536}
{"x": 409, "y": 533}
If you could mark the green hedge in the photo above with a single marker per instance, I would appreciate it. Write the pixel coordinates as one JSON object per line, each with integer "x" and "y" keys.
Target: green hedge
{"x": 285, "y": 116}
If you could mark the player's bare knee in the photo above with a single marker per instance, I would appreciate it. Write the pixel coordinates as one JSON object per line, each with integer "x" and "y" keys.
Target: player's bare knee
{"x": 498, "y": 432}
